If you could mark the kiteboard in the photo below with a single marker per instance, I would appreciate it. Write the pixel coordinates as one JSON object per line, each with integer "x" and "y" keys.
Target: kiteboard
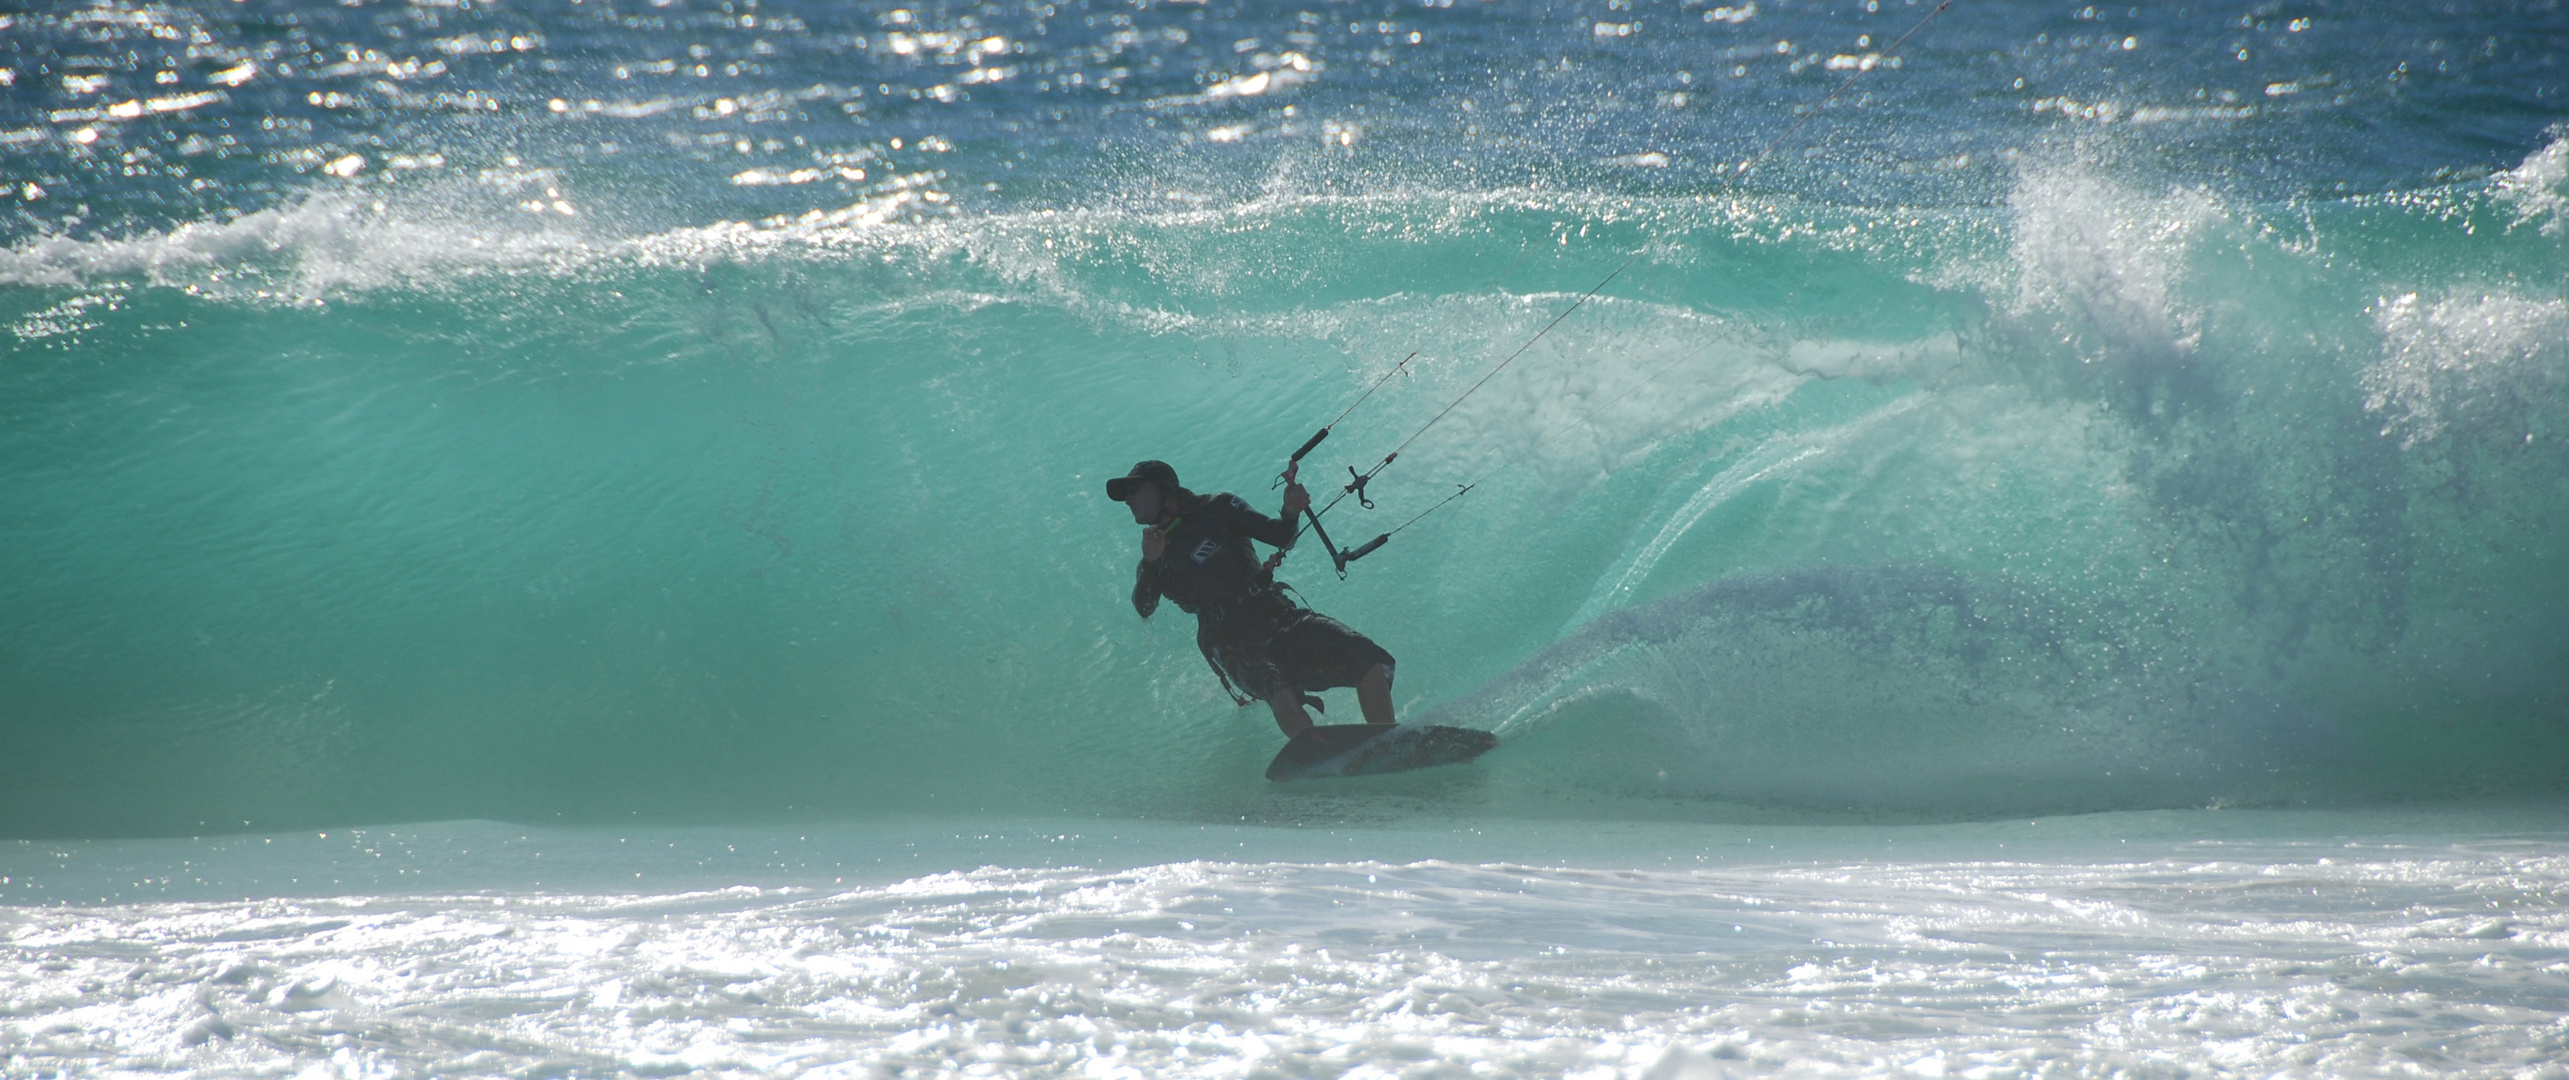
{"x": 1365, "y": 749}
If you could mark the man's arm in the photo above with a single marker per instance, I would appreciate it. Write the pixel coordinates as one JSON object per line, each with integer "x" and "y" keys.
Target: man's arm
{"x": 1277, "y": 533}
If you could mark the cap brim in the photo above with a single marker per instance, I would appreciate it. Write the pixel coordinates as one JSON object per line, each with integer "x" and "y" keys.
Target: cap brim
{"x": 1121, "y": 487}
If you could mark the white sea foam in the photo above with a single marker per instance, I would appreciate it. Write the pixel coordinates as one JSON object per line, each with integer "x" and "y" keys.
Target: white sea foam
{"x": 2473, "y": 361}
{"x": 2539, "y": 187}
{"x": 325, "y": 244}
{"x": 358, "y": 239}
{"x": 2081, "y": 946}
{"x": 2108, "y": 257}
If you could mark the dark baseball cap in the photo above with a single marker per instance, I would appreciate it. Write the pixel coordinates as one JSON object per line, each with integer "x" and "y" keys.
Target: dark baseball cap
{"x": 1156, "y": 472}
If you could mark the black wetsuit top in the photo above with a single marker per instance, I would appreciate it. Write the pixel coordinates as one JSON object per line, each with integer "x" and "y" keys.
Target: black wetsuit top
{"x": 1210, "y": 570}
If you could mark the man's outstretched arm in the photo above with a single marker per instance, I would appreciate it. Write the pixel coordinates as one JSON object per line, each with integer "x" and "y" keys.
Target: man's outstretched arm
{"x": 1278, "y": 533}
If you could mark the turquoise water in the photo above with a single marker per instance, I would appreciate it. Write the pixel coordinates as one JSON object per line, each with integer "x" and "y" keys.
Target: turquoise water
{"x": 556, "y": 412}
{"x": 2099, "y": 498}
{"x": 565, "y": 537}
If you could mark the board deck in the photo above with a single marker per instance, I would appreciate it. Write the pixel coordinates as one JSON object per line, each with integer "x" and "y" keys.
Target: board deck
{"x": 1365, "y": 749}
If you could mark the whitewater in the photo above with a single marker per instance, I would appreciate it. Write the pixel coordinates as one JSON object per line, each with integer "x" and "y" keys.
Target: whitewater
{"x": 566, "y": 537}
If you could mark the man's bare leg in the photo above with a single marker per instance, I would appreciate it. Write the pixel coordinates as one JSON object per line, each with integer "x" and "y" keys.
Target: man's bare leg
{"x": 1287, "y": 705}
{"x": 1374, "y": 695}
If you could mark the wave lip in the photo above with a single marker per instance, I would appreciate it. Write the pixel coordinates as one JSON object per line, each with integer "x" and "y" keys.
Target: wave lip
{"x": 326, "y": 244}
{"x": 347, "y": 241}
{"x": 2538, "y": 187}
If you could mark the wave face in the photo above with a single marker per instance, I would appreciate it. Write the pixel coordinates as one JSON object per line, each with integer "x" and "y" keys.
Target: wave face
{"x": 2066, "y": 479}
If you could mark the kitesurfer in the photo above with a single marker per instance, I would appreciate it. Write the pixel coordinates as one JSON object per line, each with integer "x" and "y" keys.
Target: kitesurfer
{"x": 1196, "y": 551}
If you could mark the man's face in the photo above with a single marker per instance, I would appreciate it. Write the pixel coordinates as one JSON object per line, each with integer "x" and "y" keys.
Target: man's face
{"x": 1144, "y": 501}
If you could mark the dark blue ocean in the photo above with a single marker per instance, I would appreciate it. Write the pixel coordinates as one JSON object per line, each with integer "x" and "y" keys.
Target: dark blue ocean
{"x": 565, "y": 537}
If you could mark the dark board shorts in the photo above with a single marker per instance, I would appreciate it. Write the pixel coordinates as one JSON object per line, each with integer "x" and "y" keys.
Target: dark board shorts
{"x": 1307, "y": 651}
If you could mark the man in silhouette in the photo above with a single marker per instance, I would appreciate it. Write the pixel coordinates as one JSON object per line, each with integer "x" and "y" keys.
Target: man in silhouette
{"x": 1196, "y": 552}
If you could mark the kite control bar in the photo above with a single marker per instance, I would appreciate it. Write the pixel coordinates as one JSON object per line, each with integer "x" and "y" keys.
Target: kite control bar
{"x": 1307, "y": 444}
{"x": 1337, "y": 556}
{"x": 1356, "y": 483}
